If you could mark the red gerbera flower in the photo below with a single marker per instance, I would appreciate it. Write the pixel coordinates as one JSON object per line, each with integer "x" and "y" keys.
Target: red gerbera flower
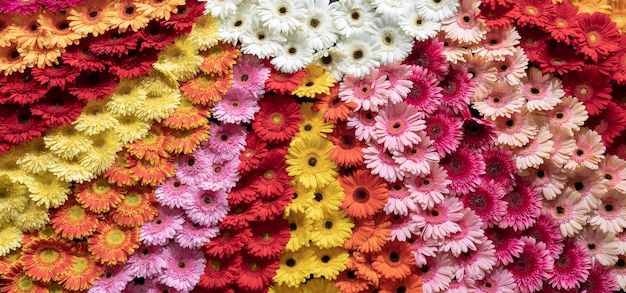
{"x": 228, "y": 242}
{"x": 619, "y": 70}
{"x": 278, "y": 119}
{"x": 273, "y": 206}
{"x": 284, "y": 83}
{"x": 58, "y": 108}
{"x": 272, "y": 175}
{"x": 256, "y": 274}
{"x": 81, "y": 57}
{"x": 240, "y": 215}
{"x": 156, "y": 36}
{"x": 113, "y": 43}
{"x": 73, "y": 221}
{"x": 22, "y": 88}
{"x": 532, "y": 41}
{"x": 268, "y": 238}
{"x": 220, "y": 272}
{"x": 243, "y": 192}
{"x": 590, "y": 87}
{"x": 561, "y": 24}
{"x": 429, "y": 54}
{"x": 93, "y": 85}
{"x": 16, "y": 281}
{"x": 253, "y": 154}
{"x": 596, "y": 35}
{"x": 185, "y": 17}
{"x": 533, "y": 12}
{"x": 609, "y": 123}
{"x": 136, "y": 207}
{"x": 497, "y": 15}
{"x": 133, "y": 64}
{"x": 121, "y": 172}
{"x": 559, "y": 57}
{"x": 58, "y": 74}
{"x": 19, "y": 125}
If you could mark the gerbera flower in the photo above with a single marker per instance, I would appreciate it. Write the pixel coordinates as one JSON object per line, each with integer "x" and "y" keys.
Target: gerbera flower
{"x": 348, "y": 150}
{"x": 486, "y": 201}
{"x": 507, "y": 244}
{"x": 570, "y": 211}
{"x": 536, "y": 151}
{"x": 57, "y": 108}
{"x": 366, "y": 194}
{"x": 405, "y": 227}
{"x": 363, "y": 124}
{"x": 161, "y": 228}
{"x": 326, "y": 199}
{"x": 549, "y": 177}
{"x": 479, "y": 262}
{"x": 241, "y": 215}
{"x": 259, "y": 40}
{"x": 195, "y": 236}
{"x": 589, "y": 150}
{"x": 595, "y": 35}
{"x": 590, "y": 87}
{"x": 317, "y": 81}
{"x": 368, "y": 92}
{"x": 250, "y": 74}
{"x": 429, "y": 190}
{"x": 318, "y": 24}
{"x": 499, "y": 279}
{"x": 148, "y": 262}
{"x": 135, "y": 208}
{"x": 437, "y": 273}
{"x": 268, "y": 238}
{"x": 237, "y": 106}
{"x": 503, "y": 100}
{"x": 206, "y": 207}
{"x": 22, "y": 88}
{"x": 532, "y": 266}
{"x": 83, "y": 272}
{"x": 98, "y": 196}
{"x": 278, "y": 119}
{"x": 115, "y": 279}
{"x": 442, "y": 219}
{"x": 533, "y": 13}
{"x": 362, "y": 53}
{"x": 257, "y": 273}
{"x": 415, "y": 24}
{"x": 613, "y": 171}
{"x": 187, "y": 141}
{"x": 226, "y": 141}
{"x": 180, "y": 60}
{"x": 609, "y": 124}
{"x": 351, "y": 17}
{"x": 44, "y": 258}
{"x": 465, "y": 27}
{"x": 444, "y": 131}
{"x": 313, "y": 123}
{"x": 20, "y": 126}
{"x": 477, "y": 133}
{"x": 571, "y": 267}
{"x": 332, "y": 230}
{"x": 601, "y": 279}
{"x": 394, "y": 44}
{"x": 470, "y": 235}
{"x": 398, "y": 126}
{"x": 120, "y": 173}
{"x": 330, "y": 262}
{"x": 416, "y": 160}
{"x": 58, "y": 75}
{"x": 294, "y": 54}
{"x": 603, "y": 248}
{"x": 559, "y": 57}
{"x": 294, "y": 267}
{"x": 219, "y": 58}
{"x": 456, "y": 90}
{"x": 220, "y": 272}
{"x": 300, "y": 227}
{"x": 112, "y": 244}
{"x": 183, "y": 269}
{"x": 516, "y": 130}
{"x": 92, "y": 17}
{"x": 310, "y": 163}
{"x": 395, "y": 261}
{"x": 464, "y": 168}
{"x": 206, "y": 88}
{"x": 523, "y": 206}
{"x": 73, "y": 221}
{"x": 499, "y": 167}
{"x": 381, "y": 163}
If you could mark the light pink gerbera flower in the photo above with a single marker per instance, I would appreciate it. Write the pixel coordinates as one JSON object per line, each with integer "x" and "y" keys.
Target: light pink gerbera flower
{"x": 445, "y": 131}
{"x": 506, "y": 243}
{"x": 416, "y": 160}
{"x": 399, "y": 201}
{"x": 532, "y": 266}
{"x": 455, "y": 52}
{"x": 195, "y": 236}
{"x": 517, "y": 130}
{"x": 437, "y": 273}
{"x": 237, "y": 106}
{"x": 502, "y": 101}
{"x": 162, "y": 228}
{"x": 171, "y": 193}
{"x": 486, "y": 202}
{"x": 430, "y": 189}
{"x": 465, "y": 27}
{"x": 400, "y": 82}
{"x": 424, "y": 95}
{"x": 442, "y": 219}
{"x": 465, "y": 240}
{"x": 571, "y": 267}
{"x": 523, "y": 206}
{"x": 570, "y": 115}
{"x": 381, "y": 163}
{"x": 460, "y": 284}
{"x": 533, "y": 154}
{"x": 221, "y": 176}
{"x": 184, "y": 267}
{"x": 497, "y": 44}
{"x": 398, "y": 126}
{"x": 569, "y": 210}
{"x": 423, "y": 248}
{"x": 542, "y": 92}
{"x": 548, "y": 177}
{"x": 363, "y": 124}
{"x": 589, "y": 150}
{"x": 250, "y": 74}
{"x": 226, "y": 141}
{"x": 512, "y": 68}
{"x": 477, "y": 263}
{"x": 590, "y": 184}
{"x": 499, "y": 168}
{"x": 464, "y": 168}
{"x": 405, "y": 227}
{"x": 193, "y": 169}
{"x": 610, "y": 216}
{"x": 603, "y": 248}
{"x": 368, "y": 93}
{"x": 614, "y": 170}
{"x": 546, "y": 230}
{"x": 207, "y": 207}
{"x": 113, "y": 280}
{"x": 146, "y": 262}
{"x": 456, "y": 90}
{"x": 498, "y": 280}
{"x": 564, "y": 145}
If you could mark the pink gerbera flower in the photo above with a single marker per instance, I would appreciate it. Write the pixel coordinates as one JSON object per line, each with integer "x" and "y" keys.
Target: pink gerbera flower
{"x": 221, "y": 176}
{"x": 546, "y": 230}
{"x": 614, "y": 170}
{"x": 478, "y": 133}
{"x": 226, "y": 141}
{"x": 171, "y": 193}
{"x": 363, "y": 123}
{"x": 601, "y": 279}
{"x": 506, "y": 243}
{"x": 429, "y": 54}
{"x": 146, "y": 262}
{"x": 405, "y": 227}
{"x": 398, "y": 126}
{"x": 523, "y": 206}
{"x": 442, "y": 219}
{"x": 464, "y": 168}
{"x": 207, "y": 207}
{"x": 517, "y": 130}
{"x": 486, "y": 201}
{"x": 250, "y": 74}
{"x": 399, "y": 77}
{"x": 423, "y": 248}
{"x": 569, "y": 210}
{"x": 456, "y": 90}
{"x": 437, "y": 273}
{"x": 195, "y": 236}
{"x": 399, "y": 201}
{"x": 571, "y": 267}
{"x": 183, "y": 269}
{"x": 416, "y": 160}
{"x": 548, "y": 177}
{"x": 532, "y": 266}
{"x": 465, "y": 240}
{"x": 193, "y": 169}
{"x": 445, "y": 131}
{"x": 425, "y": 94}
{"x": 162, "y": 227}
{"x": 430, "y": 189}
{"x": 114, "y": 280}
{"x": 498, "y": 280}
{"x": 542, "y": 92}
{"x": 368, "y": 93}
{"x": 237, "y": 106}
{"x": 590, "y": 184}
{"x": 589, "y": 150}
{"x": 477, "y": 263}
{"x": 533, "y": 154}
{"x": 381, "y": 163}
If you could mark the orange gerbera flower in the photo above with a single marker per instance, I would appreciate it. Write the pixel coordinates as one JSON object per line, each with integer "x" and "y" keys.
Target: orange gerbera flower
{"x": 334, "y": 108}
{"x": 395, "y": 261}
{"x": 159, "y": 9}
{"x": 112, "y": 244}
{"x": 11, "y": 61}
{"x": 83, "y": 272}
{"x": 206, "y": 88}
{"x": 92, "y": 17}
{"x": 151, "y": 147}
{"x": 98, "y": 195}
{"x": 382, "y": 231}
{"x": 16, "y": 281}
{"x": 29, "y": 33}
{"x": 361, "y": 263}
{"x": 363, "y": 230}
{"x": 136, "y": 208}
{"x": 6, "y": 23}
{"x": 61, "y": 33}
{"x": 74, "y": 221}
{"x": 220, "y": 58}
{"x": 127, "y": 16}
{"x": 41, "y": 57}
{"x": 187, "y": 116}
{"x": 187, "y": 141}
{"x": 9, "y": 260}
{"x": 411, "y": 283}
{"x": 45, "y": 258}
{"x": 348, "y": 151}
{"x": 366, "y": 194}
{"x": 349, "y": 282}
{"x": 153, "y": 173}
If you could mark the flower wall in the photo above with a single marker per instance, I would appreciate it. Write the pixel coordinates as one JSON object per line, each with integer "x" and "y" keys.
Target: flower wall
{"x": 312, "y": 146}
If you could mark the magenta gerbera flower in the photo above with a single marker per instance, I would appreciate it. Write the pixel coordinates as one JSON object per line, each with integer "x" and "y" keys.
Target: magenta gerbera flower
{"x": 478, "y": 133}
{"x": 601, "y": 279}
{"x": 429, "y": 54}
{"x": 571, "y": 267}
{"x": 499, "y": 168}
{"x": 464, "y": 168}
{"x": 398, "y": 126}
{"x": 456, "y": 90}
{"x": 428, "y": 190}
{"x": 207, "y": 207}
{"x": 523, "y": 206}
{"x": 424, "y": 95}
{"x": 546, "y": 230}
{"x": 368, "y": 93}
{"x": 183, "y": 269}
{"x": 486, "y": 201}
{"x": 442, "y": 219}
{"x": 195, "y": 236}
{"x": 532, "y": 266}
{"x": 465, "y": 240}
{"x": 146, "y": 262}
{"x": 445, "y": 131}
{"x": 506, "y": 243}
{"x": 162, "y": 228}
{"x": 237, "y": 106}
{"x": 250, "y": 74}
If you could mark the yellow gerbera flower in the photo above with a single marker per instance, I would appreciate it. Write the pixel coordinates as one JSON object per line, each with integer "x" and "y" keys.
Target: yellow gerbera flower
{"x": 326, "y": 199}
{"x": 320, "y": 285}
{"x": 180, "y": 61}
{"x": 13, "y": 198}
{"x": 101, "y": 155}
{"x": 332, "y": 230}
{"x": 204, "y": 33}
{"x": 295, "y": 267}
{"x": 313, "y": 123}
{"x": 95, "y": 118}
{"x": 70, "y": 170}
{"x": 10, "y": 168}
{"x": 317, "y": 81}
{"x": 48, "y": 191}
{"x": 34, "y": 217}
{"x": 36, "y": 158}
{"x": 131, "y": 128}
{"x": 302, "y": 198}
{"x": 128, "y": 97}
{"x": 329, "y": 262}
{"x": 301, "y": 227}
{"x": 10, "y": 238}
{"x": 159, "y": 105}
{"x": 591, "y": 6}
{"x": 66, "y": 142}
{"x": 309, "y": 161}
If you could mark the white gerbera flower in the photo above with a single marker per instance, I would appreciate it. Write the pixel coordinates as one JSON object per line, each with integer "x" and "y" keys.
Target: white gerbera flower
{"x": 234, "y": 25}
{"x": 318, "y": 24}
{"x": 352, "y": 16}
{"x": 417, "y": 26}
{"x": 392, "y": 8}
{"x": 533, "y": 154}
{"x": 394, "y": 44}
{"x": 220, "y": 8}
{"x": 284, "y": 16}
{"x": 295, "y": 54}
{"x": 261, "y": 41}
{"x": 362, "y": 52}
{"x": 437, "y": 10}
{"x": 333, "y": 60}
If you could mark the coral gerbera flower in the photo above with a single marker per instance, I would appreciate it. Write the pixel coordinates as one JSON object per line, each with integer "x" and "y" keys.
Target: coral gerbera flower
{"x": 206, "y": 88}
{"x": 99, "y": 196}
{"x": 73, "y": 221}
{"x": 348, "y": 150}
{"x": 112, "y": 244}
{"x": 135, "y": 208}
{"x": 366, "y": 194}
{"x": 45, "y": 258}
{"x": 219, "y": 58}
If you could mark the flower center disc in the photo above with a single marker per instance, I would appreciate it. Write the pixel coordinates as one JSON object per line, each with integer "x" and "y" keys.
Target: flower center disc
{"x": 361, "y": 195}
{"x": 49, "y": 256}
{"x": 115, "y": 237}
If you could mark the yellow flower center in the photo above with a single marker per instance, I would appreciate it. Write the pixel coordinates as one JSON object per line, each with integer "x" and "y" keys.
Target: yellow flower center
{"x": 248, "y": 154}
{"x": 593, "y": 37}
{"x": 561, "y": 23}
{"x": 25, "y": 283}
{"x": 79, "y": 264}
{"x": 49, "y": 255}
{"x": 216, "y": 50}
{"x": 132, "y": 199}
{"x": 268, "y": 175}
{"x": 215, "y": 265}
{"x": 205, "y": 79}
{"x": 101, "y": 186}
{"x": 150, "y": 138}
{"x": 266, "y": 236}
{"x": 618, "y": 19}
{"x": 115, "y": 237}
{"x": 531, "y": 10}
{"x": 77, "y": 213}
{"x": 276, "y": 119}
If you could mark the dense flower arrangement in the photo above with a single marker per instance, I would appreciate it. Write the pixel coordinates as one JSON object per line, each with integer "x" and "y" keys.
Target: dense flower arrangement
{"x": 319, "y": 146}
